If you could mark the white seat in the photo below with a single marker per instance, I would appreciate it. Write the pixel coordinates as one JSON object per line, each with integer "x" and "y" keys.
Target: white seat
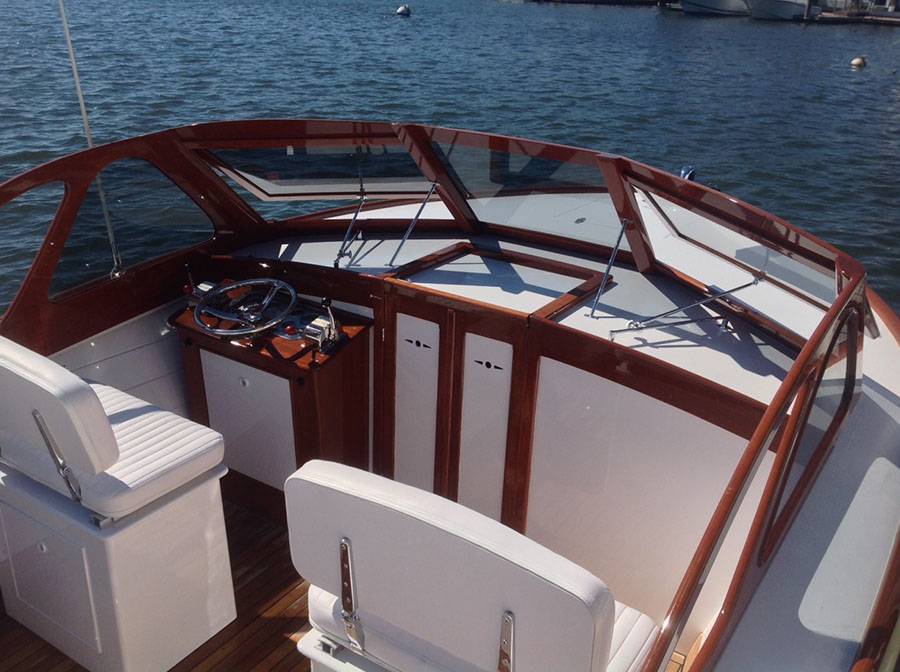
{"x": 132, "y": 555}
{"x": 432, "y": 580}
{"x": 123, "y": 452}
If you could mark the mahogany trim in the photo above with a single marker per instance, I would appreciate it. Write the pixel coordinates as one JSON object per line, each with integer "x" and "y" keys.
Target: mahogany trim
{"x": 888, "y": 317}
{"x": 573, "y": 298}
{"x": 442, "y": 256}
{"x": 520, "y": 433}
{"x": 627, "y": 208}
{"x": 511, "y": 145}
{"x": 412, "y": 137}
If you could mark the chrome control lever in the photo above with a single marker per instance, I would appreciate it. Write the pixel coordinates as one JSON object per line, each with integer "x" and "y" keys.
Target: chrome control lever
{"x": 333, "y": 330}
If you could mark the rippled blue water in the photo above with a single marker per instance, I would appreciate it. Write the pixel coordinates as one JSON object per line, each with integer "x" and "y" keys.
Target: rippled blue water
{"x": 771, "y": 113}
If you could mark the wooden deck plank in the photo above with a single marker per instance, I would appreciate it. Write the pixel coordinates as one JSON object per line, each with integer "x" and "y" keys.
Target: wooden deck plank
{"x": 271, "y": 604}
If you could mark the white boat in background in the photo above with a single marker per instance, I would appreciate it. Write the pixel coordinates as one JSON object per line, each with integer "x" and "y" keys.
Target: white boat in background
{"x": 777, "y": 10}
{"x": 715, "y": 7}
{"x": 560, "y": 411}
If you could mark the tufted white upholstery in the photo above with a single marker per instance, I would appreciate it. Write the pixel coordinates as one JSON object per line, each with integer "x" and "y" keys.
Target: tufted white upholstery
{"x": 124, "y": 452}
{"x": 433, "y": 579}
{"x": 633, "y": 636}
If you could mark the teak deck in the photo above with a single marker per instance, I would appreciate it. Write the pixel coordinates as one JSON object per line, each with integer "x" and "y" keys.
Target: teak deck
{"x": 271, "y": 611}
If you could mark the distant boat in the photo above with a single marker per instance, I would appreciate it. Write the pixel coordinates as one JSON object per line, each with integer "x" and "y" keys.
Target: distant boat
{"x": 777, "y": 10}
{"x": 403, "y": 10}
{"x": 715, "y": 7}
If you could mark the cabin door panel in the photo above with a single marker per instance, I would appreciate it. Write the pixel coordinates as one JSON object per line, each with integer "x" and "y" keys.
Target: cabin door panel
{"x": 252, "y": 410}
{"x": 485, "y": 410}
{"x": 415, "y": 409}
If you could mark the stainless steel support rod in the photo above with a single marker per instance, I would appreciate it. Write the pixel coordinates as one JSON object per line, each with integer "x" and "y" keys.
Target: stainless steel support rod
{"x": 612, "y": 258}
{"x": 412, "y": 224}
{"x": 346, "y": 242}
{"x": 640, "y": 325}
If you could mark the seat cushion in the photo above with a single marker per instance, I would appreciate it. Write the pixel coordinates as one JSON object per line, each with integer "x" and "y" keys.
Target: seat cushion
{"x": 158, "y": 452}
{"x": 633, "y": 636}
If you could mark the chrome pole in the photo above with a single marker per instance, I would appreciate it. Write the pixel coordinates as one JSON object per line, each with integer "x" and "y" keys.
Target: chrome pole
{"x": 413, "y": 223}
{"x": 612, "y": 258}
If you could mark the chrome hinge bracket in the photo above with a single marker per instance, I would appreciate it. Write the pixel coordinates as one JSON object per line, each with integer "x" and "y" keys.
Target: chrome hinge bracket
{"x": 348, "y": 599}
{"x": 61, "y": 467}
{"x": 506, "y": 662}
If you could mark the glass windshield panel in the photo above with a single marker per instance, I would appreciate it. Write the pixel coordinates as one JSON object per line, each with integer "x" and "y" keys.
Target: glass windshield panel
{"x": 813, "y": 281}
{"x": 149, "y": 215}
{"x": 533, "y": 192}
{"x": 833, "y": 392}
{"x": 293, "y": 173}
{"x": 274, "y": 211}
{"x": 24, "y": 221}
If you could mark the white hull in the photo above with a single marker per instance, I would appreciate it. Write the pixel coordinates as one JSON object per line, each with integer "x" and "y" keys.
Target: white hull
{"x": 777, "y": 10}
{"x": 715, "y": 7}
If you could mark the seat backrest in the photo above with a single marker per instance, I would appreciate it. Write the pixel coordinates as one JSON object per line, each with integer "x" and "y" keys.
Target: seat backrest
{"x": 69, "y": 407}
{"x": 433, "y": 576}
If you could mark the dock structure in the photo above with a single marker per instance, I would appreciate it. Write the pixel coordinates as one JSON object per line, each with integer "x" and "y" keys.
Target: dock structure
{"x": 629, "y": 3}
{"x": 842, "y": 18}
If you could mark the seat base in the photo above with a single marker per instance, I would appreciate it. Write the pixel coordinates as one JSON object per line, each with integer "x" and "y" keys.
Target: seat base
{"x": 138, "y": 594}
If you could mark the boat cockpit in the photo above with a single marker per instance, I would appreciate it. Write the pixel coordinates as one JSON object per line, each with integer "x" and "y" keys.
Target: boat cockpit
{"x": 632, "y": 370}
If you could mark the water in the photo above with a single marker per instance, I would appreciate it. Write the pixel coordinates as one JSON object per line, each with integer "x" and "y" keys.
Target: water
{"x": 770, "y": 113}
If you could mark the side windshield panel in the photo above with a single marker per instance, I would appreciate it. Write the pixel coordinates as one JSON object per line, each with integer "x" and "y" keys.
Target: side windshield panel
{"x": 149, "y": 217}
{"x": 535, "y": 193}
{"x": 24, "y": 222}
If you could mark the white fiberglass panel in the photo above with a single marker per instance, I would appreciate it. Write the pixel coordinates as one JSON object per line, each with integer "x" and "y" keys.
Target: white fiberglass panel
{"x": 497, "y": 282}
{"x": 50, "y": 575}
{"x": 590, "y": 217}
{"x": 736, "y": 357}
{"x": 843, "y": 589}
{"x": 485, "y": 414}
{"x": 415, "y": 411}
{"x": 140, "y": 356}
{"x": 623, "y": 484}
{"x": 766, "y": 298}
{"x": 252, "y": 411}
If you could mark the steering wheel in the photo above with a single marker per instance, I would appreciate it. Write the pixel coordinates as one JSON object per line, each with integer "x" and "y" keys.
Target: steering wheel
{"x": 262, "y": 303}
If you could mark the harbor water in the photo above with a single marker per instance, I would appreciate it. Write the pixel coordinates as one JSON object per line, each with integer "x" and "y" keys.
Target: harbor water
{"x": 771, "y": 113}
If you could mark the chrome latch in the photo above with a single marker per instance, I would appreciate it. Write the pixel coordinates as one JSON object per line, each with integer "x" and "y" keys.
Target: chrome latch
{"x": 506, "y": 662}
{"x": 348, "y": 599}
